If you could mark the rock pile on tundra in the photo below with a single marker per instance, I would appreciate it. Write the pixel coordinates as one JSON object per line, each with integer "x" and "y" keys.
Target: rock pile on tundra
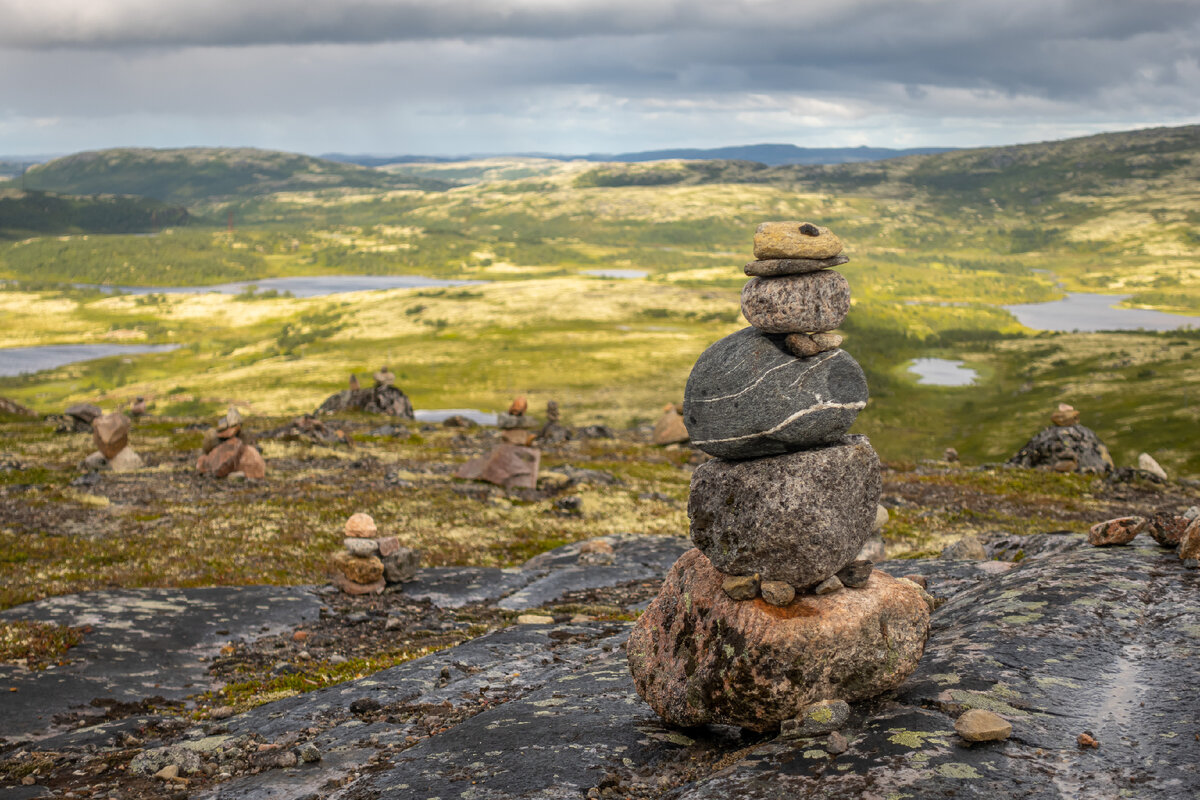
{"x": 110, "y": 433}
{"x": 772, "y": 612}
{"x": 227, "y": 453}
{"x": 369, "y": 562}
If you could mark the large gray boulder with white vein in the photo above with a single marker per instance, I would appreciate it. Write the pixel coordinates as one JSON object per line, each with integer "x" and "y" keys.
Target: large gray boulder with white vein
{"x": 797, "y": 518}
{"x": 748, "y": 397}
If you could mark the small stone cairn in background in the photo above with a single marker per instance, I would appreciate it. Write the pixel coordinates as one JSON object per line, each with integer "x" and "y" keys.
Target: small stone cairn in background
{"x": 227, "y": 454}
{"x": 1065, "y": 446}
{"x": 110, "y": 433}
{"x": 514, "y": 463}
{"x": 370, "y": 562}
{"x": 772, "y": 612}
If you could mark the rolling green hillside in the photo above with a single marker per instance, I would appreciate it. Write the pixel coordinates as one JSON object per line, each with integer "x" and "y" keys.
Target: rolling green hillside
{"x": 191, "y": 175}
{"x": 938, "y": 244}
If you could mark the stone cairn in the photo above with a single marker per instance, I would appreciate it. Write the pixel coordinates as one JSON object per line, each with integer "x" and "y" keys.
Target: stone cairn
{"x": 1065, "y": 446}
{"x": 370, "y": 562}
{"x": 771, "y": 612}
{"x": 110, "y": 434}
{"x": 226, "y": 453}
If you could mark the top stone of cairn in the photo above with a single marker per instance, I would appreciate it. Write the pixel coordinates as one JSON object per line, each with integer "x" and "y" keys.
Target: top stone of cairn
{"x": 795, "y": 240}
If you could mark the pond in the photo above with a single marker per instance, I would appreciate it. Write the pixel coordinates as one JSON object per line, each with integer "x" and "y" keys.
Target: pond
{"x": 1086, "y": 312}
{"x": 942, "y": 372}
{"x": 626, "y": 274}
{"x": 308, "y": 286}
{"x": 23, "y": 360}
{"x": 442, "y": 414}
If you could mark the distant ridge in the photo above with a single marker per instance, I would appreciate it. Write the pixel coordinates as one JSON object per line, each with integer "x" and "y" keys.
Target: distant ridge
{"x": 773, "y": 155}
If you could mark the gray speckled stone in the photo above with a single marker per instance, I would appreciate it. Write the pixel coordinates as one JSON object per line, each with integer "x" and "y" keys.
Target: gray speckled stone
{"x": 818, "y": 301}
{"x": 748, "y": 397}
{"x": 797, "y": 518}
{"x": 773, "y": 267}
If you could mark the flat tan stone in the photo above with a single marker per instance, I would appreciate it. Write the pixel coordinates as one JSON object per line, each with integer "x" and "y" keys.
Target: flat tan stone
{"x": 791, "y": 240}
{"x": 978, "y": 725}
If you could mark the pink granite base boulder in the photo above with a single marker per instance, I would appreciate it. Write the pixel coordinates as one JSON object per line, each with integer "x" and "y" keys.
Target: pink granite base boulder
{"x": 699, "y": 657}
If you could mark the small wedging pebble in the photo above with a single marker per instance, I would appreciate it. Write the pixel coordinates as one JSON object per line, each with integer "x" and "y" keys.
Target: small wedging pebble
{"x": 309, "y": 753}
{"x": 829, "y": 585}
{"x": 856, "y": 573}
{"x": 777, "y": 593}
{"x": 741, "y": 587}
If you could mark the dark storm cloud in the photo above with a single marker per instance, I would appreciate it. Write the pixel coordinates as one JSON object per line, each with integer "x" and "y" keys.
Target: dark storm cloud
{"x": 654, "y": 72}
{"x": 1067, "y": 48}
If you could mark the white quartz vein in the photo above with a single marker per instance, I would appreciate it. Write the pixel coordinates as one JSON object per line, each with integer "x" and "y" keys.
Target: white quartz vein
{"x": 809, "y": 368}
{"x": 858, "y": 405}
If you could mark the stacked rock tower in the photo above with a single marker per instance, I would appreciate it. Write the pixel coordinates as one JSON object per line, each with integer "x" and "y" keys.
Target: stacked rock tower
{"x": 771, "y": 611}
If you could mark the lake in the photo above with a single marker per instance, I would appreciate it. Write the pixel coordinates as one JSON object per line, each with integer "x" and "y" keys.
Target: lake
{"x": 308, "y": 286}
{"x": 23, "y": 360}
{"x": 1086, "y": 312}
{"x": 942, "y": 372}
{"x": 625, "y": 274}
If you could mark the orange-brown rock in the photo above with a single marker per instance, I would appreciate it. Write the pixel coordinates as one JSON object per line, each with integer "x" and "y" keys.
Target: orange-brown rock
{"x": 251, "y": 463}
{"x": 1065, "y": 416}
{"x": 519, "y": 406}
{"x": 1121, "y": 530}
{"x": 1189, "y": 545}
{"x": 223, "y": 459}
{"x": 670, "y": 428}
{"x": 698, "y": 657}
{"x": 110, "y": 432}
{"x": 361, "y": 526}
{"x": 357, "y": 568}
{"x": 508, "y": 465}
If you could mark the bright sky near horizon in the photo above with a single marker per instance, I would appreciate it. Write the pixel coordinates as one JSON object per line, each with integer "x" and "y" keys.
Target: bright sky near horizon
{"x": 443, "y": 77}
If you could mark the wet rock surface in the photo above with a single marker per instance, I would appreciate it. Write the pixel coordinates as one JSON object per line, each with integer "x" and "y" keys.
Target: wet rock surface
{"x": 142, "y": 643}
{"x": 1070, "y": 639}
{"x": 748, "y": 397}
{"x": 1092, "y": 639}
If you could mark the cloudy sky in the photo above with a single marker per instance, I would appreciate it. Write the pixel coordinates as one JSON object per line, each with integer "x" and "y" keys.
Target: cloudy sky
{"x": 581, "y": 76}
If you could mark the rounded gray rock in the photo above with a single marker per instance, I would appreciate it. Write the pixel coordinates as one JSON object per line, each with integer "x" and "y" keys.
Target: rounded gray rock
{"x": 797, "y": 518}
{"x": 810, "y": 303}
{"x": 748, "y": 397}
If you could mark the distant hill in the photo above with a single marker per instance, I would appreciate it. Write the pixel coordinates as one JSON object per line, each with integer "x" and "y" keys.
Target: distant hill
{"x": 1126, "y": 163}
{"x": 190, "y": 175}
{"x": 774, "y": 154}
{"x": 24, "y": 214}
{"x": 770, "y": 154}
